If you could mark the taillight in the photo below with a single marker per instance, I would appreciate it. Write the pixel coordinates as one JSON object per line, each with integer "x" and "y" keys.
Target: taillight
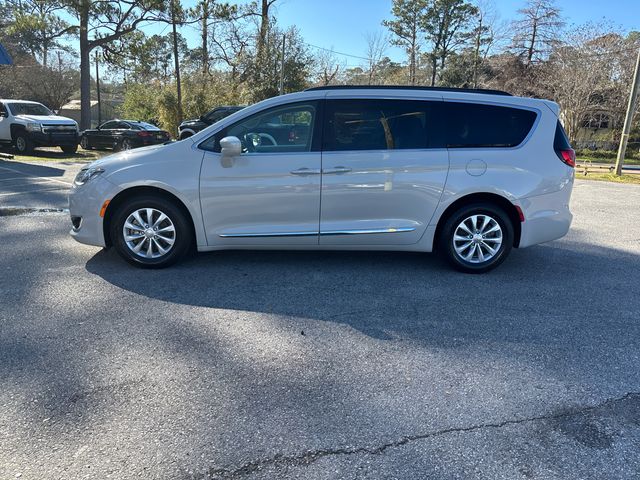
{"x": 145, "y": 134}
{"x": 568, "y": 156}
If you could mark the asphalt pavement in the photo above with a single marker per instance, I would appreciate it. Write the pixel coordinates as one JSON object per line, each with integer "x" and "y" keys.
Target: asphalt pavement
{"x": 317, "y": 365}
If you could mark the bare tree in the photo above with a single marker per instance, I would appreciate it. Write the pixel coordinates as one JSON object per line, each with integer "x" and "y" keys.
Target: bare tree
{"x": 486, "y": 33}
{"x": 537, "y": 30}
{"x": 377, "y": 45}
{"x": 328, "y": 67}
{"x": 582, "y": 91}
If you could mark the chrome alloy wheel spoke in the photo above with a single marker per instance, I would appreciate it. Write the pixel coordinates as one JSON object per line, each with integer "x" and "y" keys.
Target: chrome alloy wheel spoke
{"x": 149, "y": 233}
{"x": 477, "y": 239}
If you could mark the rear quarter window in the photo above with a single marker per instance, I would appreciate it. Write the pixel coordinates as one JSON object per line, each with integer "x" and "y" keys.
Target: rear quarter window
{"x": 471, "y": 125}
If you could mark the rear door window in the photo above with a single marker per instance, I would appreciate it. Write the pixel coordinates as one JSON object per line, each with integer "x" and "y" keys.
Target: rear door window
{"x": 370, "y": 124}
{"x": 474, "y": 125}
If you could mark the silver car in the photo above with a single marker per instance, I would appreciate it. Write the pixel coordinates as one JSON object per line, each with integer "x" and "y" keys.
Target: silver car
{"x": 470, "y": 173}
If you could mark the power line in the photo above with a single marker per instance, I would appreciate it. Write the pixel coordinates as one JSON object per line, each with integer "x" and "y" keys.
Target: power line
{"x": 338, "y": 53}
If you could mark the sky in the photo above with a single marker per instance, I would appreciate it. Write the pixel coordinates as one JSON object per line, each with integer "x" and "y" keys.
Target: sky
{"x": 342, "y": 25}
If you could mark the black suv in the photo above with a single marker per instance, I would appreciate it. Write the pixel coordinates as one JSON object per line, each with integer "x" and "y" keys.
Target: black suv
{"x": 191, "y": 127}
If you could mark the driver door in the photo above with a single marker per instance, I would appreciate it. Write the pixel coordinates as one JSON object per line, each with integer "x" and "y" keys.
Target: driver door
{"x": 270, "y": 194}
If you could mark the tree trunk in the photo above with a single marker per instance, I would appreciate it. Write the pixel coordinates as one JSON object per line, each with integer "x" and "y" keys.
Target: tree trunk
{"x": 176, "y": 59}
{"x": 205, "y": 39}
{"x": 476, "y": 57}
{"x": 85, "y": 68}
{"x": 434, "y": 69}
{"x": 264, "y": 26}
{"x": 532, "y": 45}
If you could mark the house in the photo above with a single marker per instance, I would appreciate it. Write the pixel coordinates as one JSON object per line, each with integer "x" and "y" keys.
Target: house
{"x": 72, "y": 110}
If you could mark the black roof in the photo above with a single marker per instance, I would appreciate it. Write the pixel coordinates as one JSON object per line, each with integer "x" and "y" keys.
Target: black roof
{"x": 407, "y": 87}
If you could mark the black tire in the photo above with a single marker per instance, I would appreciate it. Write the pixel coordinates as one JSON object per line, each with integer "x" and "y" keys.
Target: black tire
{"x": 23, "y": 144}
{"x": 185, "y": 135}
{"x": 84, "y": 143}
{"x": 125, "y": 144}
{"x": 69, "y": 149}
{"x": 183, "y": 237}
{"x": 476, "y": 265}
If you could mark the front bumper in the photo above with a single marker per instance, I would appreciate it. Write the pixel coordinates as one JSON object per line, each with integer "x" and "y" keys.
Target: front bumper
{"x": 53, "y": 139}
{"x": 85, "y": 203}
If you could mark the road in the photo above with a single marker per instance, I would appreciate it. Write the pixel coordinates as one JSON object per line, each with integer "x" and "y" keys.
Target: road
{"x": 270, "y": 365}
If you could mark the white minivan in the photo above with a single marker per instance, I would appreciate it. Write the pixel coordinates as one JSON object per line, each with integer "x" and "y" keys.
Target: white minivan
{"x": 470, "y": 173}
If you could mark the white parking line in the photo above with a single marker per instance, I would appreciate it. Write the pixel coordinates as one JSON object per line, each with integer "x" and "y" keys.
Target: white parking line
{"x": 37, "y": 176}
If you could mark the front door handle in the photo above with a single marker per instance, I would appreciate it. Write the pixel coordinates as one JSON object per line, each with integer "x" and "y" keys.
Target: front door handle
{"x": 306, "y": 171}
{"x": 336, "y": 170}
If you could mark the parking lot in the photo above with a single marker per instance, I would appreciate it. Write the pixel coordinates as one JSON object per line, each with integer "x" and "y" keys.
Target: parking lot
{"x": 320, "y": 365}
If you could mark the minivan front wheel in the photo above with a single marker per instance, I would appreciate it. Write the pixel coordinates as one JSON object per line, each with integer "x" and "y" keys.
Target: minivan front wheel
{"x": 477, "y": 238}
{"x": 150, "y": 232}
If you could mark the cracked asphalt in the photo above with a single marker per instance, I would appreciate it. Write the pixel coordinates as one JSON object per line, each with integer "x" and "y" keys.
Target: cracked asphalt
{"x": 307, "y": 365}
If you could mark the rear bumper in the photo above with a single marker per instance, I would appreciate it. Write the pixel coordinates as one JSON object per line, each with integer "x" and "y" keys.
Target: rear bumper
{"x": 547, "y": 217}
{"x": 53, "y": 139}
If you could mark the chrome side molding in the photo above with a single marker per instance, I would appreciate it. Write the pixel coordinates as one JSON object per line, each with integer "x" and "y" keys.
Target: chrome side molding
{"x": 326, "y": 233}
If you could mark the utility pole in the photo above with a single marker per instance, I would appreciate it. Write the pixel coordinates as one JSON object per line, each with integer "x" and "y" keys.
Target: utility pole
{"x": 631, "y": 109}
{"x": 98, "y": 91}
{"x": 281, "y": 89}
{"x": 176, "y": 59}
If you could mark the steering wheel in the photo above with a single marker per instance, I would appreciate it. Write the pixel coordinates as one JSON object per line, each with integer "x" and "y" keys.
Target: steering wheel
{"x": 254, "y": 140}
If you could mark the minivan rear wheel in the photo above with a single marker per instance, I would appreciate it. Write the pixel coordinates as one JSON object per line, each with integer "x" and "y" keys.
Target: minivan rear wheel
{"x": 477, "y": 238}
{"x": 150, "y": 232}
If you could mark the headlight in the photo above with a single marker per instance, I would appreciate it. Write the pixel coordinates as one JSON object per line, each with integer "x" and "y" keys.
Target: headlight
{"x": 87, "y": 174}
{"x": 34, "y": 127}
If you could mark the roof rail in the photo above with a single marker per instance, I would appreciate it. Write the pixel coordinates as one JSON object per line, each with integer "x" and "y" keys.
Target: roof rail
{"x": 408, "y": 87}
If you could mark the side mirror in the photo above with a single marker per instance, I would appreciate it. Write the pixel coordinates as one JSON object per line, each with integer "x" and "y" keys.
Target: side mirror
{"x": 230, "y": 147}
{"x": 4, "y": 114}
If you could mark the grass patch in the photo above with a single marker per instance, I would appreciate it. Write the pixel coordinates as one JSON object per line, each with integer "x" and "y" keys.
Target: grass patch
{"x": 610, "y": 177}
{"x": 56, "y": 155}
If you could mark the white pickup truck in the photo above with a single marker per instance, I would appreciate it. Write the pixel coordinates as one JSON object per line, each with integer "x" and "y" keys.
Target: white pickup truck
{"x": 27, "y": 125}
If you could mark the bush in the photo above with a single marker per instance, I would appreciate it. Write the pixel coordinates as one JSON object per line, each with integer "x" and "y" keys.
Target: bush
{"x": 158, "y": 104}
{"x": 632, "y": 152}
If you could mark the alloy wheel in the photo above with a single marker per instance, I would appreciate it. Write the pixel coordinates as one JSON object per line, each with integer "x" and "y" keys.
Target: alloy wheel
{"x": 149, "y": 233}
{"x": 477, "y": 239}
{"x": 21, "y": 144}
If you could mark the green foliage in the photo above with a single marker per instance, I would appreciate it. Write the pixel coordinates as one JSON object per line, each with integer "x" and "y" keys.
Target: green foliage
{"x": 447, "y": 27}
{"x": 298, "y": 62}
{"x": 158, "y": 103}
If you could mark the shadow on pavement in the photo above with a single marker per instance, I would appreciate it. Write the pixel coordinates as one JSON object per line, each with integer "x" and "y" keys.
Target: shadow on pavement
{"x": 30, "y": 169}
{"x": 536, "y": 295}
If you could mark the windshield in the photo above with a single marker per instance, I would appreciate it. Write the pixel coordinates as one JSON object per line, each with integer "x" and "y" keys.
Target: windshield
{"x": 28, "y": 109}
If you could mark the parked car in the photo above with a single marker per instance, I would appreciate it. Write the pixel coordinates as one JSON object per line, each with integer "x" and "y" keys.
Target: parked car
{"x": 27, "y": 125}
{"x": 468, "y": 173}
{"x": 191, "y": 127}
{"x": 123, "y": 135}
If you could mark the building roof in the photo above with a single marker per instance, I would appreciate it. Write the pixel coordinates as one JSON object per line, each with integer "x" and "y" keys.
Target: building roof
{"x": 75, "y": 105}
{"x": 5, "y": 58}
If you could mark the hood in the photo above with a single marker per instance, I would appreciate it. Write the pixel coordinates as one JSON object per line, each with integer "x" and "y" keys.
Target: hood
{"x": 117, "y": 161}
{"x": 193, "y": 121}
{"x": 47, "y": 119}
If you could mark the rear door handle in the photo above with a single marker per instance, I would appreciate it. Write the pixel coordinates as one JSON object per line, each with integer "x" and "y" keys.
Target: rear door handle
{"x": 336, "y": 170}
{"x": 306, "y": 171}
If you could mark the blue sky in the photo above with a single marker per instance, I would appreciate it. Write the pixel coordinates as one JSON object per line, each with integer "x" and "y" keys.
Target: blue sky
{"x": 342, "y": 25}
